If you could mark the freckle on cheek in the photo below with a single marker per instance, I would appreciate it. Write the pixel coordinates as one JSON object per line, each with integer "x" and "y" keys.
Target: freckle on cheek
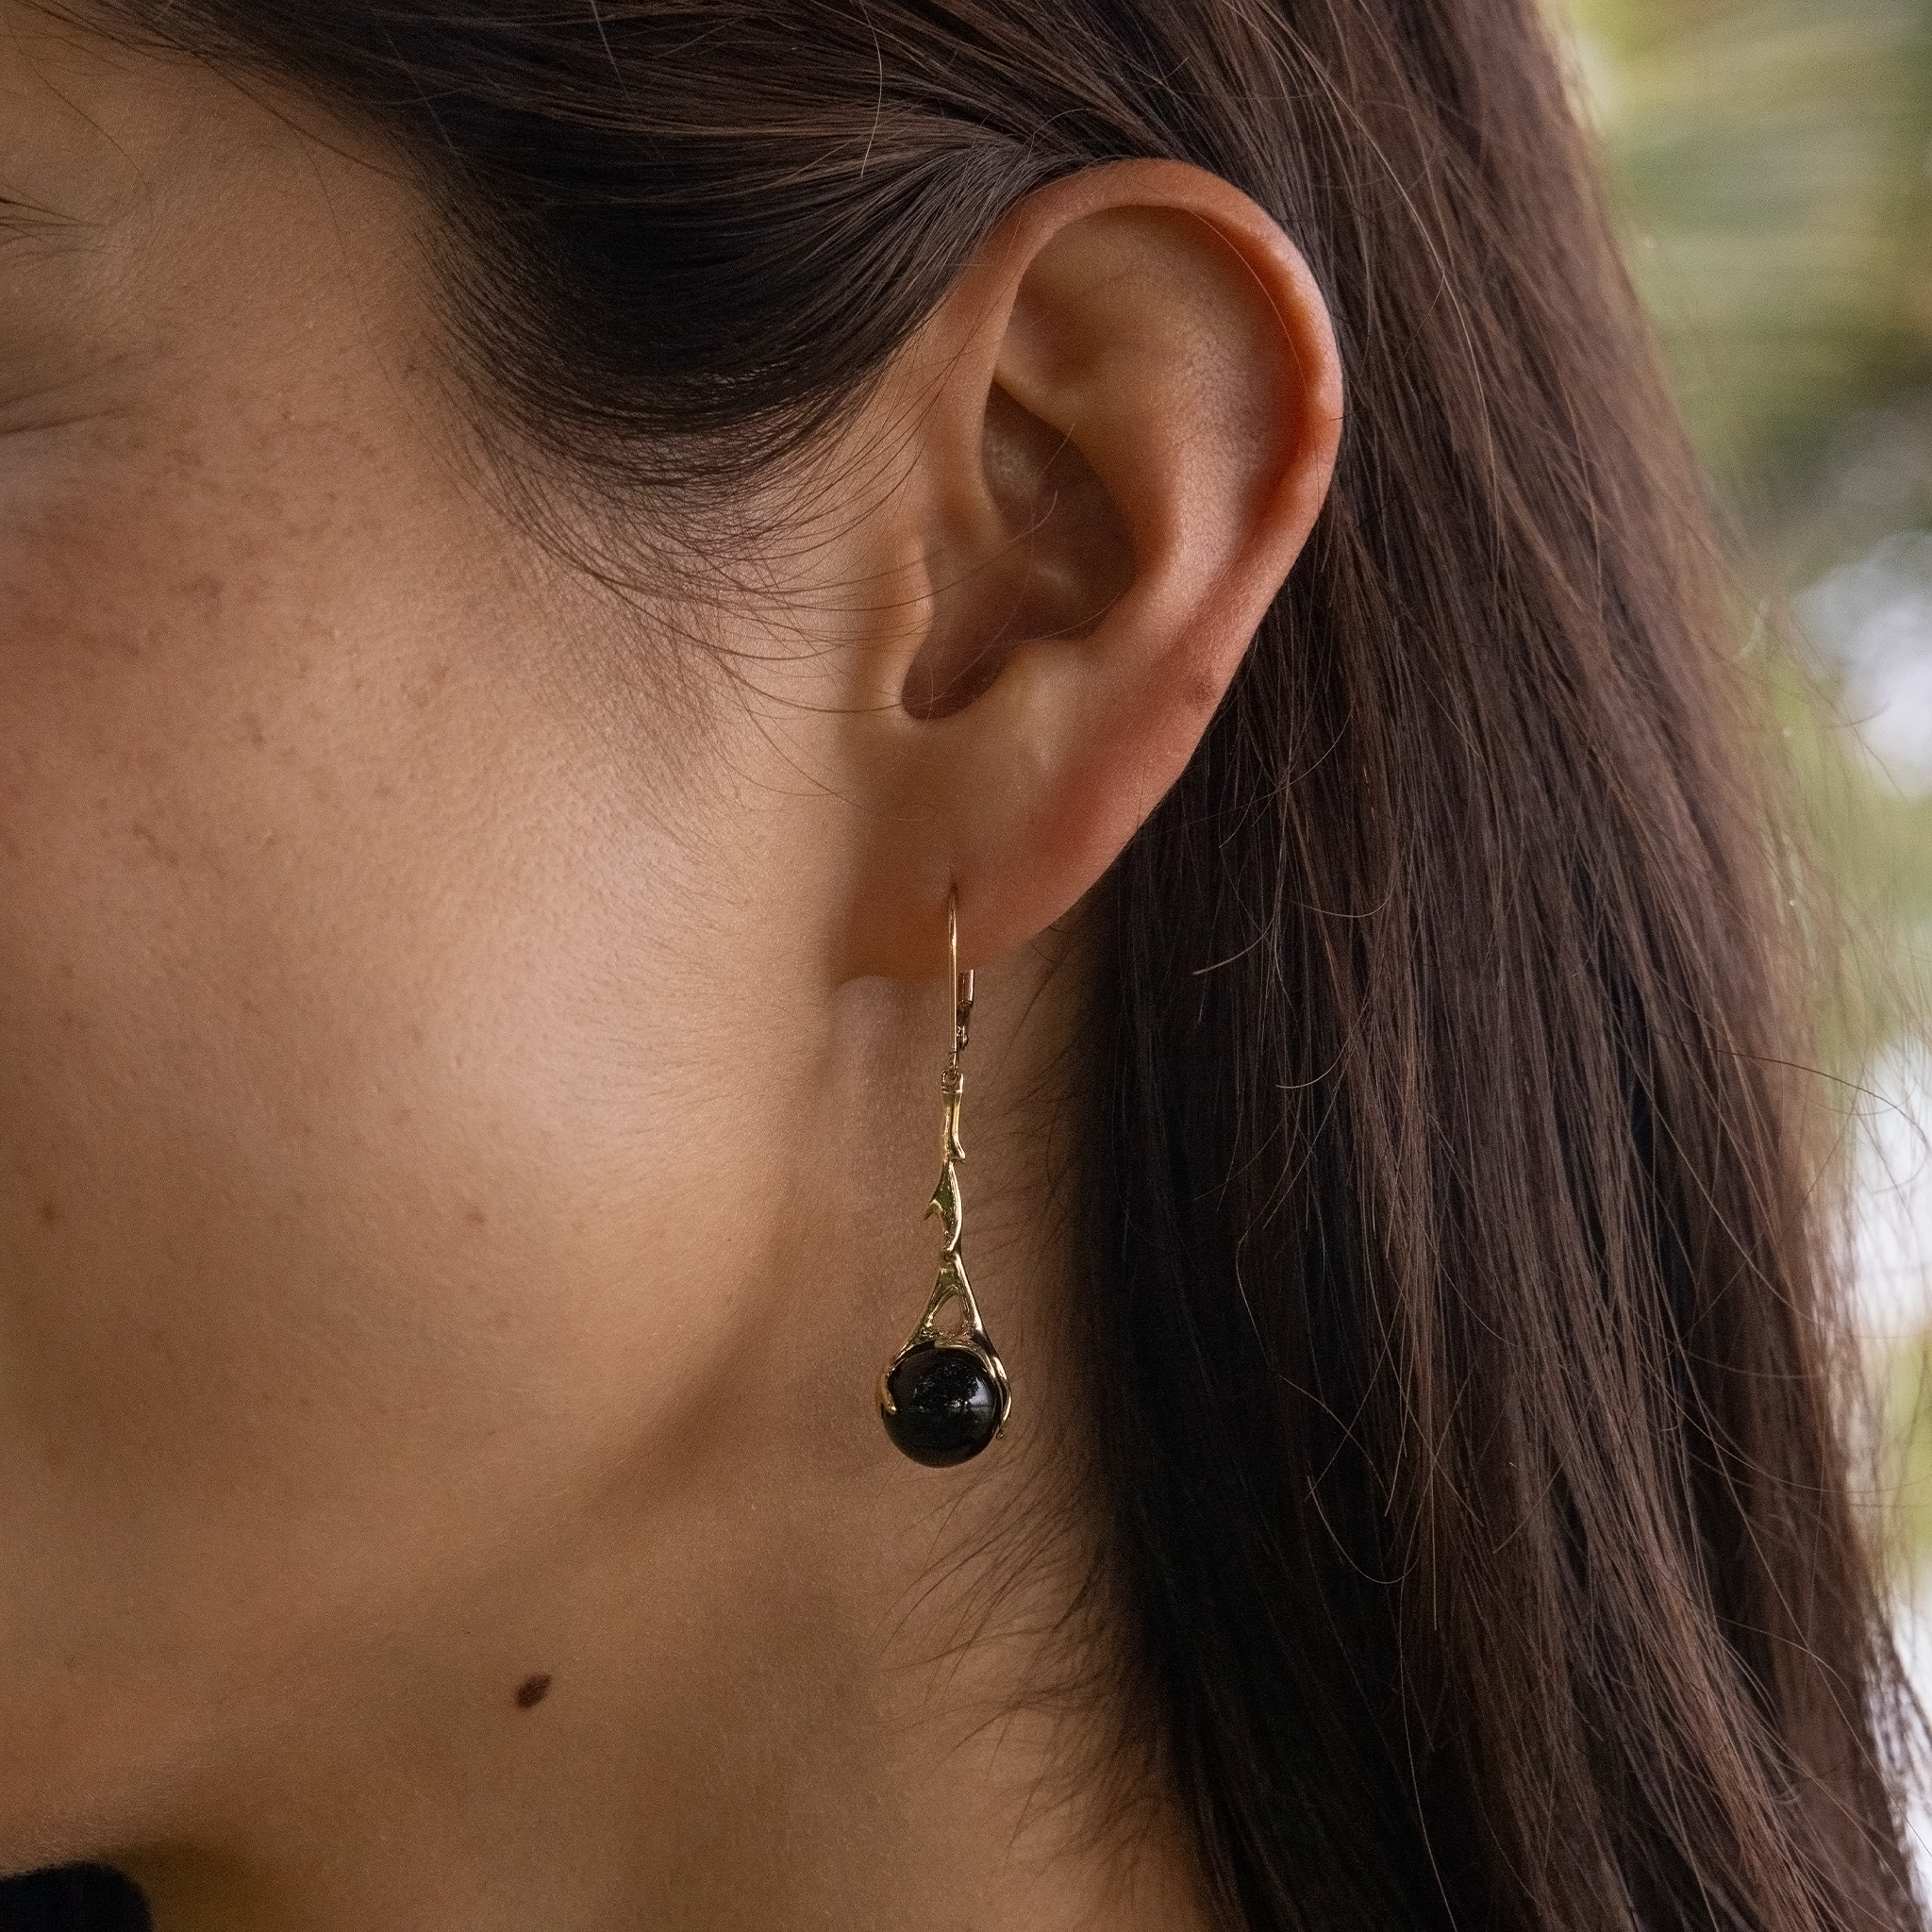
{"x": 533, "y": 1691}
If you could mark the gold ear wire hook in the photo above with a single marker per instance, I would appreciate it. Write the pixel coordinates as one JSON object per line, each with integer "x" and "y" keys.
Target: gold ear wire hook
{"x": 963, "y": 988}
{"x": 953, "y": 1081}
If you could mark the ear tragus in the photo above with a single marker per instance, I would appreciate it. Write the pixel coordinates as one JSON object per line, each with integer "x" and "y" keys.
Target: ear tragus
{"x": 1060, "y": 557}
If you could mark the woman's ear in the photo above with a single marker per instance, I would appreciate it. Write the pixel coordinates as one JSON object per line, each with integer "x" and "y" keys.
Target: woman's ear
{"x": 1121, "y": 425}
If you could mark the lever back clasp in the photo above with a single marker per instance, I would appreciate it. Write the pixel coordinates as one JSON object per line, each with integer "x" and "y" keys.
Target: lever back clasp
{"x": 962, "y": 983}
{"x": 952, "y": 1078}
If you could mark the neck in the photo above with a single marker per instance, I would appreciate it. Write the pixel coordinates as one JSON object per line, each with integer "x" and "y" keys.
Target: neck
{"x": 792, "y": 1679}
{"x": 779, "y": 1748}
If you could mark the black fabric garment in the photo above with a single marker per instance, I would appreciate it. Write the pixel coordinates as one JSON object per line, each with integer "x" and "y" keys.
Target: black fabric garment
{"x": 74, "y": 1898}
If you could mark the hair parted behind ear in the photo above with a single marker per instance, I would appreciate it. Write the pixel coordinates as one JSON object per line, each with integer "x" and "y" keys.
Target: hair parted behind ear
{"x": 1463, "y": 1375}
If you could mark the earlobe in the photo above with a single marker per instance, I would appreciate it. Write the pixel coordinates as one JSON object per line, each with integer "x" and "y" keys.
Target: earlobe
{"x": 1132, "y": 404}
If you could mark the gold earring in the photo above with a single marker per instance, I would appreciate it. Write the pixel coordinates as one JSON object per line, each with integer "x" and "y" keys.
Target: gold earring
{"x": 944, "y": 1397}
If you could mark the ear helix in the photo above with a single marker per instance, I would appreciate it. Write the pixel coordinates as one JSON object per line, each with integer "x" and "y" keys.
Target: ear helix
{"x": 944, "y": 1397}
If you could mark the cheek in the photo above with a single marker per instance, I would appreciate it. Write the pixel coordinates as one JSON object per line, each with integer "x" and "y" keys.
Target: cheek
{"x": 303, "y": 1287}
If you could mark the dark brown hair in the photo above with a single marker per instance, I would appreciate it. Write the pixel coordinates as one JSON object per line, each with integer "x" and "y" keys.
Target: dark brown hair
{"x": 1465, "y": 1385}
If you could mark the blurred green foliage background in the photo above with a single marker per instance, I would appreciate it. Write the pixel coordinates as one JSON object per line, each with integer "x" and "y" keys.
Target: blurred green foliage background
{"x": 1771, "y": 163}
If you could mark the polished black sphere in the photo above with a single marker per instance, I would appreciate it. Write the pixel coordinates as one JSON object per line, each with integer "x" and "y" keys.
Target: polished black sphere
{"x": 945, "y": 1406}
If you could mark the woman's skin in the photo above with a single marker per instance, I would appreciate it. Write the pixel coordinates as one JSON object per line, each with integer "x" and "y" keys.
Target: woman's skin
{"x": 468, "y": 1065}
